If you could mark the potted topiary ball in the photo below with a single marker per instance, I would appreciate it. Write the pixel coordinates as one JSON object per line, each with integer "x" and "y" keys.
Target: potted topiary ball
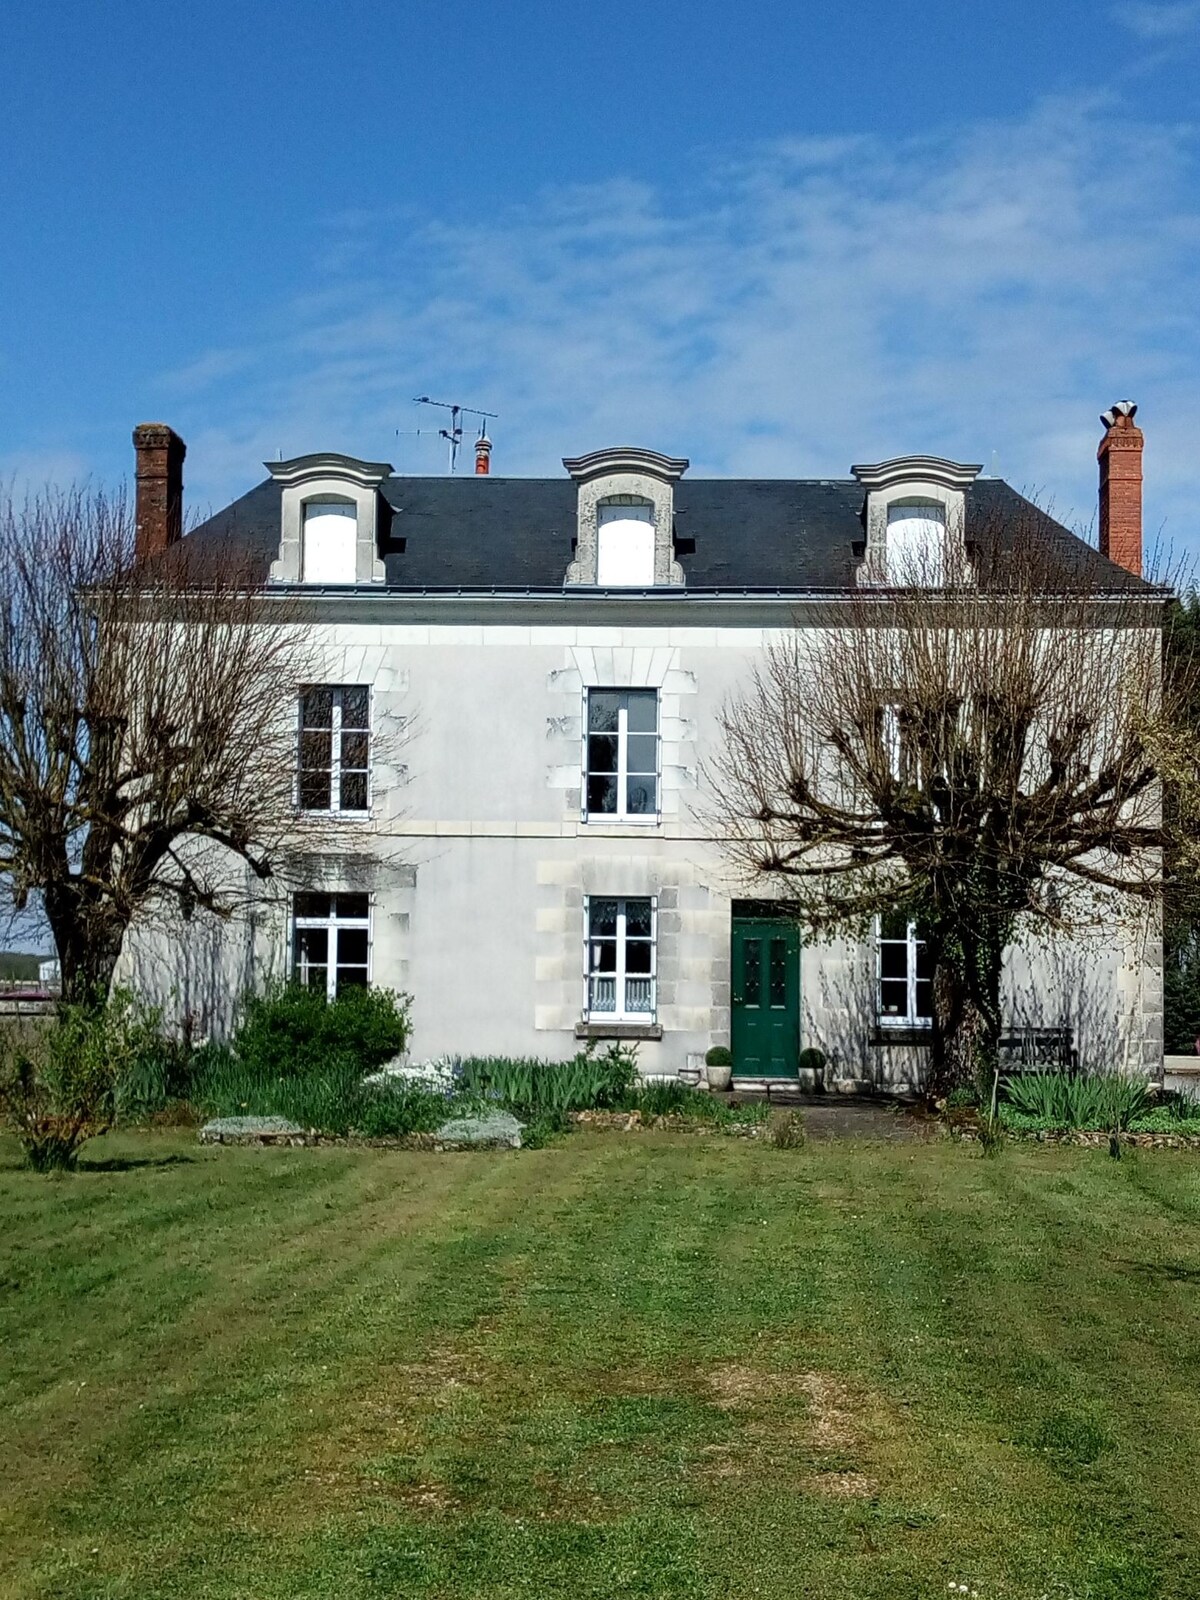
{"x": 811, "y": 1070}
{"x": 718, "y": 1068}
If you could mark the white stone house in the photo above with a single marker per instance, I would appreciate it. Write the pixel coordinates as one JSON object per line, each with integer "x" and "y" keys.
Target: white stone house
{"x": 521, "y": 679}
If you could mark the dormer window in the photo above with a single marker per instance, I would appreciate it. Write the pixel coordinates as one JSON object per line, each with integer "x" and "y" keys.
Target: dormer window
{"x": 625, "y": 543}
{"x": 328, "y": 541}
{"x": 625, "y": 537}
{"x": 916, "y": 518}
{"x": 328, "y": 520}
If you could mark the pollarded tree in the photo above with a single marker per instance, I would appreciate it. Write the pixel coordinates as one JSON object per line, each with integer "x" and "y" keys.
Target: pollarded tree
{"x": 145, "y": 730}
{"x": 982, "y": 751}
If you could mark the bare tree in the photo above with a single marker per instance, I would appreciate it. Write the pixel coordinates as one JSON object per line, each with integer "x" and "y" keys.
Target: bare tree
{"x": 981, "y": 751}
{"x": 147, "y": 737}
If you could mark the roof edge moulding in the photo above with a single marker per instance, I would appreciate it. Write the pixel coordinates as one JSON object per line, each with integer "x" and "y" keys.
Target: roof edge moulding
{"x": 922, "y": 469}
{"x": 625, "y": 458}
{"x": 329, "y": 464}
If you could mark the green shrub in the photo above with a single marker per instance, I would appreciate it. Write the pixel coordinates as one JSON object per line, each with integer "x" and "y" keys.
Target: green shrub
{"x": 812, "y": 1060}
{"x": 63, "y": 1083}
{"x": 1098, "y": 1102}
{"x": 673, "y": 1099}
{"x": 962, "y": 1098}
{"x": 294, "y": 1032}
{"x": 719, "y": 1056}
{"x": 587, "y": 1082}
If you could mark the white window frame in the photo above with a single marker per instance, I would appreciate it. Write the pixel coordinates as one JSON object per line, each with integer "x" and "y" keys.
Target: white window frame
{"x": 335, "y": 807}
{"x": 330, "y": 556}
{"x": 892, "y": 1019}
{"x": 621, "y": 1011}
{"x": 627, "y": 512}
{"x": 332, "y": 924}
{"x": 906, "y": 564}
{"x": 638, "y": 819}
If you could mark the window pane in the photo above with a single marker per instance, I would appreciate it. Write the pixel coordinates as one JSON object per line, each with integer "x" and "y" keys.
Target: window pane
{"x": 316, "y": 708}
{"x": 352, "y": 947}
{"x": 893, "y": 998}
{"x": 752, "y": 972}
{"x": 924, "y": 962}
{"x": 602, "y": 918}
{"x": 638, "y": 956}
{"x": 638, "y": 918}
{"x": 355, "y": 706}
{"x": 893, "y": 961}
{"x": 924, "y": 998}
{"x": 641, "y": 752}
{"x": 604, "y": 955}
{"x": 602, "y": 752}
{"x": 602, "y": 994}
{"x": 778, "y": 972}
{"x": 313, "y": 977}
{"x": 354, "y": 750}
{"x": 893, "y": 925}
{"x": 601, "y": 795}
{"x": 639, "y": 994}
{"x": 311, "y": 905}
{"x": 603, "y": 706}
{"x": 315, "y": 791}
{"x": 348, "y": 906}
{"x": 351, "y": 978}
{"x": 641, "y": 797}
{"x": 354, "y": 791}
{"x": 316, "y": 750}
{"x": 643, "y": 710}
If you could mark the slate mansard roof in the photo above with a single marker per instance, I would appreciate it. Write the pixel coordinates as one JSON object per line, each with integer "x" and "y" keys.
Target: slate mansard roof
{"x": 491, "y": 535}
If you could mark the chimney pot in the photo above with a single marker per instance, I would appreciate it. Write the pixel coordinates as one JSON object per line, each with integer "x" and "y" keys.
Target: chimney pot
{"x": 483, "y": 456}
{"x": 159, "y": 452}
{"x": 1120, "y": 458}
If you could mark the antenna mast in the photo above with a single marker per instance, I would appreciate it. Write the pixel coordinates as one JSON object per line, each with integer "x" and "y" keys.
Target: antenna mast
{"x": 454, "y": 433}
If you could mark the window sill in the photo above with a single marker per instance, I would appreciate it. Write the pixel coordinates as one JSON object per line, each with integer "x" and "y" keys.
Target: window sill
{"x": 901, "y": 1033}
{"x": 618, "y": 1030}
{"x": 333, "y": 816}
{"x": 604, "y": 819}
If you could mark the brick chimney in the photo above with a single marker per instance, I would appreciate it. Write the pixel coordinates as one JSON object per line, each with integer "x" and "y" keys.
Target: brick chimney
{"x": 483, "y": 456}
{"x": 160, "y": 452}
{"x": 1120, "y": 458}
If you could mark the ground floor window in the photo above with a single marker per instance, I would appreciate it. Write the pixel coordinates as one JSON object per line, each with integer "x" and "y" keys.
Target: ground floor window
{"x": 904, "y": 973}
{"x": 620, "y": 952}
{"x": 331, "y": 941}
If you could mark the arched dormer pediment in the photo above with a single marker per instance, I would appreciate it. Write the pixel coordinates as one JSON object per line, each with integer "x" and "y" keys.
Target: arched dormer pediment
{"x": 916, "y": 521}
{"x": 329, "y": 519}
{"x": 625, "y": 518}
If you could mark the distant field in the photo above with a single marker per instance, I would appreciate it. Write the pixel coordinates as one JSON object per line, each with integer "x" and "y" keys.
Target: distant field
{"x": 16, "y": 965}
{"x": 647, "y": 1365}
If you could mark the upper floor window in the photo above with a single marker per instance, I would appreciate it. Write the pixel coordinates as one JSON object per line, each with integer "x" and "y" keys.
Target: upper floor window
{"x": 621, "y": 959}
{"x": 904, "y": 973}
{"x": 329, "y": 542}
{"x": 625, "y": 544}
{"x": 329, "y": 519}
{"x": 331, "y": 942}
{"x": 916, "y": 544}
{"x": 625, "y": 518}
{"x": 335, "y": 748}
{"x": 622, "y": 753}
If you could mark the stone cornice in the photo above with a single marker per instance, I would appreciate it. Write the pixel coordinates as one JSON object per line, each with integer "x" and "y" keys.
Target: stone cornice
{"x": 625, "y": 458}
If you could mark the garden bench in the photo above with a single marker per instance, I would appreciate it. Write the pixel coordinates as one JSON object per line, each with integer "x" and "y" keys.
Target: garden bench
{"x": 1033, "y": 1049}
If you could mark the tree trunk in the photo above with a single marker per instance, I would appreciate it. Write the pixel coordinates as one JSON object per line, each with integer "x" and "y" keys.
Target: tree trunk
{"x": 966, "y": 1017}
{"x": 88, "y": 941}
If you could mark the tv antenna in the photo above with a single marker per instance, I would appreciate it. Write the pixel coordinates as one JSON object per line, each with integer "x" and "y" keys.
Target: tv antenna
{"x": 454, "y": 433}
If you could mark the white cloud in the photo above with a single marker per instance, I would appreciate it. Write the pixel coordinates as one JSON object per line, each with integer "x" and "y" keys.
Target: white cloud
{"x": 985, "y": 289}
{"x": 1156, "y": 23}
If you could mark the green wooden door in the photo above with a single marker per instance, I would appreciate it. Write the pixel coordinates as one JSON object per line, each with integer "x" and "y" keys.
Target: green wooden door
{"x": 766, "y": 998}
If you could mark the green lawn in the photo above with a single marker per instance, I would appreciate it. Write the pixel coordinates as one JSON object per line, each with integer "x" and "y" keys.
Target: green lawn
{"x": 624, "y": 1365}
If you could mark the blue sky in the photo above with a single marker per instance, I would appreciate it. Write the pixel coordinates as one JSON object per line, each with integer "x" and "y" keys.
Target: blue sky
{"x": 776, "y": 239}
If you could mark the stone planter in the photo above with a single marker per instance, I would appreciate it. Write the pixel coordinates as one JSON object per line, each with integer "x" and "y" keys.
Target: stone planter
{"x": 719, "y": 1078}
